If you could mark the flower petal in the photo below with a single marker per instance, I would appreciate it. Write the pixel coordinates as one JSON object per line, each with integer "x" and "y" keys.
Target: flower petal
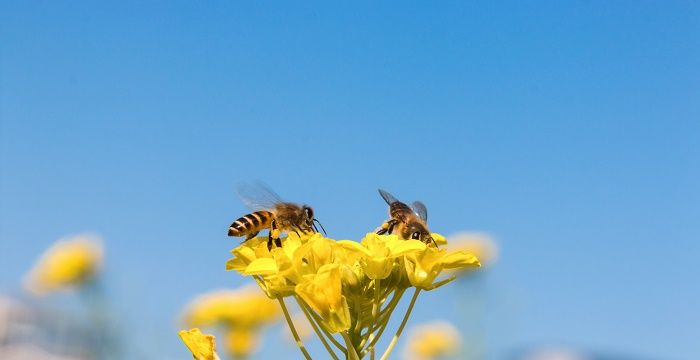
{"x": 460, "y": 259}
{"x": 200, "y": 345}
{"x": 262, "y": 266}
{"x": 354, "y": 246}
{"x": 405, "y": 247}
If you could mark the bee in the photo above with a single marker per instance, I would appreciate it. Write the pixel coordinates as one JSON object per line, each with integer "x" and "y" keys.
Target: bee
{"x": 271, "y": 212}
{"x": 406, "y": 222}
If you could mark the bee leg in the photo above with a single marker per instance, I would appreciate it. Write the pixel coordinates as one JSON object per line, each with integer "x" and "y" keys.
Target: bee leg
{"x": 273, "y": 227}
{"x": 391, "y": 226}
{"x": 383, "y": 229}
{"x": 387, "y": 227}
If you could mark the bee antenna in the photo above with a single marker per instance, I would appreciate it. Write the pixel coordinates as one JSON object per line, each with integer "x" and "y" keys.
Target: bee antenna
{"x": 433, "y": 240}
{"x": 319, "y": 224}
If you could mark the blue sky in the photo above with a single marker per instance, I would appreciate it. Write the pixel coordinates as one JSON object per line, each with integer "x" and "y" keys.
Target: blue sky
{"x": 568, "y": 131}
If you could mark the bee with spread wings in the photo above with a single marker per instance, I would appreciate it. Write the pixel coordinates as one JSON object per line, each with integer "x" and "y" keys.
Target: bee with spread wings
{"x": 406, "y": 222}
{"x": 271, "y": 212}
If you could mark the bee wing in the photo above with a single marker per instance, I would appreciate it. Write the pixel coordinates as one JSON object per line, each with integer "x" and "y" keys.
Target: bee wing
{"x": 258, "y": 196}
{"x": 420, "y": 209}
{"x": 390, "y": 199}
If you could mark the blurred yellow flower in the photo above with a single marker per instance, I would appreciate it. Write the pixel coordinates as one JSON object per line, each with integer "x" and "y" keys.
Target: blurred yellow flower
{"x": 241, "y": 342}
{"x": 240, "y": 314}
{"x": 432, "y": 341}
{"x": 69, "y": 263}
{"x": 201, "y": 346}
{"x": 243, "y": 307}
{"x": 480, "y": 244}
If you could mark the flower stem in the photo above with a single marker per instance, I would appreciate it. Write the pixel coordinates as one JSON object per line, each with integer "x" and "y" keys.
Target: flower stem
{"x": 351, "y": 354}
{"x": 318, "y": 331}
{"x": 381, "y": 324}
{"x": 319, "y": 321}
{"x": 300, "y": 343}
{"x": 403, "y": 323}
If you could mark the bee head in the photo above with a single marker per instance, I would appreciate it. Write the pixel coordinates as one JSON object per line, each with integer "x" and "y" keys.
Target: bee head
{"x": 308, "y": 216}
{"x": 417, "y": 231}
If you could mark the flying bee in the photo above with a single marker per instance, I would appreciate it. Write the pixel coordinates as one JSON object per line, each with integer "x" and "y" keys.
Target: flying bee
{"x": 271, "y": 212}
{"x": 409, "y": 223}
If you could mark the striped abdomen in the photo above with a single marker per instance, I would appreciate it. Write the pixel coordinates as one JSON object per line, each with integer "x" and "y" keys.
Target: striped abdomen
{"x": 250, "y": 224}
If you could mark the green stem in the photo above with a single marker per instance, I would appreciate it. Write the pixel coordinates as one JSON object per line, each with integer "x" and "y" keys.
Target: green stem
{"x": 351, "y": 354}
{"x": 318, "y": 331}
{"x": 300, "y": 343}
{"x": 319, "y": 321}
{"x": 381, "y": 326}
{"x": 403, "y": 324}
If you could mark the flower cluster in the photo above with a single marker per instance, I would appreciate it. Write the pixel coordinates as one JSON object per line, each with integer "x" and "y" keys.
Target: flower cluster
{"x": 346, "y": 288}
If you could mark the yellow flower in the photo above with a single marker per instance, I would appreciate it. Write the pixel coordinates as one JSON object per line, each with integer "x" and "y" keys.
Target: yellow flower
{"x": 424, "y": 267}
{"x": 379, "y": 252}
{"x": 273, "y": 267}
{"x": 322, "y": 291}
{"x": 244, "y": 307}
{"x": 479, "y": 244}
{"x": 431, "y": 341}
{"x": 200, "y": 345}
{"x": 344, "y": 287}
{"x": 69, "y": 263}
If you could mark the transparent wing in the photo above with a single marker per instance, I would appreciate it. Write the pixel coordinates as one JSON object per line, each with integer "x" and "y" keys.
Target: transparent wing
{"x": 420, "y": 209}
{"x": 390, "y": 199}
{"x": 258, "y": 196}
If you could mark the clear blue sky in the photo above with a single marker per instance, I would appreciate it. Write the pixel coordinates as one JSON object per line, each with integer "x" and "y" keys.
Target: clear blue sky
{"x": 567, "y": 130}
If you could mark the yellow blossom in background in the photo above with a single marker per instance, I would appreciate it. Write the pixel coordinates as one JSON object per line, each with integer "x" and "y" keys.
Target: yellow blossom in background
{"x": 240, "y": 315}
{"x": 244, "y": 307}
{"x": 481, "y": 245}
{"x": 241, "y": 342}
{"x": 69, "y": 263}
{"x": 432, "y": 341}
{"x": 201, "y": 346}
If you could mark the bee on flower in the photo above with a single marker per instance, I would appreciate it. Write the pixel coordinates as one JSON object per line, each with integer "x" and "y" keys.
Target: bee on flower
{"x": 408, "y": 222}
{"x": 273, "y": 213}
